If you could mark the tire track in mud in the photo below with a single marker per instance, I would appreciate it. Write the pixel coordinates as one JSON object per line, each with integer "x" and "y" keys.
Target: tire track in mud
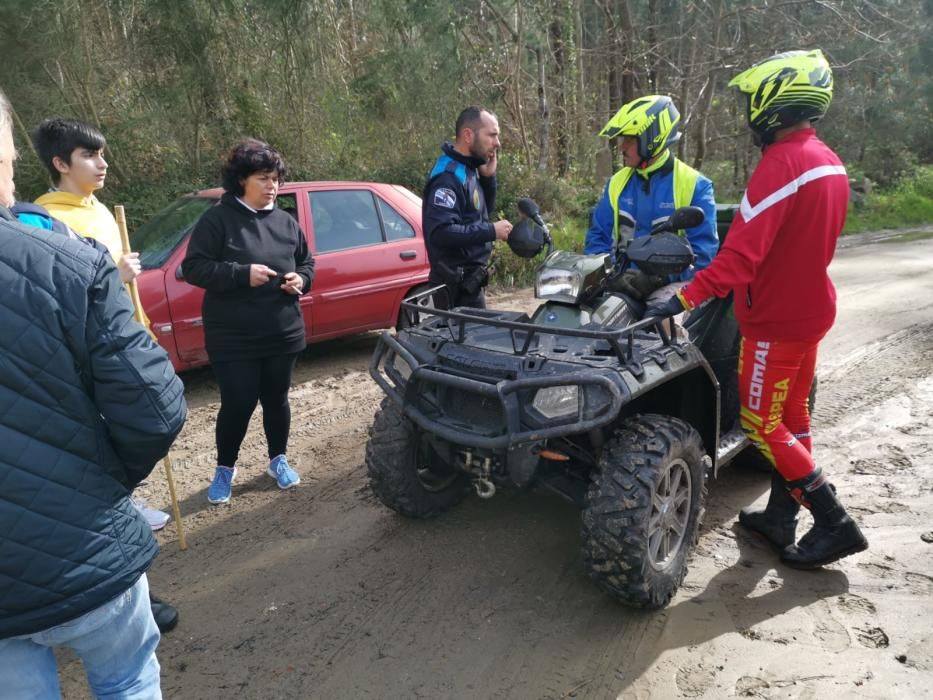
{"x": 456, "y": 598}
{"x": 400, "y": 589}
{"x": 403, "y": 591}
{"x": 321, "y": 592}
{"x": 873, "y": 373}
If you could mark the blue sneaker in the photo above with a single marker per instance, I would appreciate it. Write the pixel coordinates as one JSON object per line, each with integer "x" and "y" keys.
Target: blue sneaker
{"x": 284, "y": 475}
{"x": 222, "y": 486}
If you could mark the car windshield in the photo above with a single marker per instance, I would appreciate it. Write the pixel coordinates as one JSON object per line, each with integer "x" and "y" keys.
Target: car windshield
{"x": 157, "y": 238}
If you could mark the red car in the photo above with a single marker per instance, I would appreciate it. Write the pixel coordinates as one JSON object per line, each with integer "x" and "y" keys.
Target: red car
{"x": 368, "y": 255}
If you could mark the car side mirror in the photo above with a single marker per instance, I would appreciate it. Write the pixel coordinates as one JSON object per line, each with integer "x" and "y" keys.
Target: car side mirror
{"x": 179, "y": 275}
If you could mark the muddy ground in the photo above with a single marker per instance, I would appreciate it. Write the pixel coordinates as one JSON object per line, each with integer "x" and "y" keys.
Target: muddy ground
{"x": 321, "y": 592}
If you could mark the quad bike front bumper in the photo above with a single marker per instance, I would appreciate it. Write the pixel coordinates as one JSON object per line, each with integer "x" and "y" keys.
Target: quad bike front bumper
{"x": 486, "y": 412}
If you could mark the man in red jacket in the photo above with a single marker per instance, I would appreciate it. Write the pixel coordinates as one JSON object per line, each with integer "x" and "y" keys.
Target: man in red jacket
{"x": 775, "y": 261}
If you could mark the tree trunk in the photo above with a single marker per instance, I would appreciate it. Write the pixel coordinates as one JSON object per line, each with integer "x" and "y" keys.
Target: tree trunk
{"x": 582, "y": 124}
{"x": 706, "y": 103}
{"x": 544, "y": 115}
{"x": 517, "y": 83}
{"x": 556, "y": 32}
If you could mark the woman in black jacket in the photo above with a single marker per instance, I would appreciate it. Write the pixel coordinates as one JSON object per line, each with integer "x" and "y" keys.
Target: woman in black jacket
{"x": 253, "y": 260}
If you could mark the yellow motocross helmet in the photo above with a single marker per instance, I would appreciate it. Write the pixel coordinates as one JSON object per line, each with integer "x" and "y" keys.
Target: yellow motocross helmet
{"x": 653, "y": 119}
{"x": 784, "y": 90}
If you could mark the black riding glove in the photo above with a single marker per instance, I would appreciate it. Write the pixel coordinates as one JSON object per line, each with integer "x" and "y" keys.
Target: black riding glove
{"x": 662, "y": 309}
{"x": 637, "y": 284}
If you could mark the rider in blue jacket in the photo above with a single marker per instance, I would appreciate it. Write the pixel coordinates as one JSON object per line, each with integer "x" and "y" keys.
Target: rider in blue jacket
{"x": 649, "y": 187}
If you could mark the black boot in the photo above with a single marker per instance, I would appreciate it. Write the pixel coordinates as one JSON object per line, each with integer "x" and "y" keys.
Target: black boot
{"x": 777, "y": 523}
{"x": 166, "y": 617}
{"x": 834, "y": 534}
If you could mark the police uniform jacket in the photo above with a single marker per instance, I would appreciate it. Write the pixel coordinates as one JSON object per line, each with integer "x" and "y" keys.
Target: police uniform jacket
{"x": 455, "y": 213}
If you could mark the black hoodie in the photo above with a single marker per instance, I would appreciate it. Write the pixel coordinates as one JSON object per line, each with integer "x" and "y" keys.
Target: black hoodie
{"x": 243, "y": 322}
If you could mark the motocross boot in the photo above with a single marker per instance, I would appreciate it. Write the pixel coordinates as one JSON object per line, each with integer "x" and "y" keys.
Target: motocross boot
{"x": 777, "y": 523}
{"x": 834, "y": 534}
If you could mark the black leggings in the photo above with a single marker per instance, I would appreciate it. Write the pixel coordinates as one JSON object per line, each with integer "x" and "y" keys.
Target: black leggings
{"x": 243, "y": 383}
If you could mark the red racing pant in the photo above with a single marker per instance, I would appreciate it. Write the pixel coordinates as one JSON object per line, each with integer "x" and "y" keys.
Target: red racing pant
{"x": 774, "y": 387}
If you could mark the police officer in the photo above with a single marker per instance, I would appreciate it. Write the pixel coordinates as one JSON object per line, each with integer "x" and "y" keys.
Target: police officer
{"x": 458, "y": 197}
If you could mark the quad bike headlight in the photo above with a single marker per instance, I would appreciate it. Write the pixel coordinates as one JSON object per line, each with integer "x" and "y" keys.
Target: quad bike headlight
{"x": 557, "y": 401}
{"x": 565, "y": 276}
{"x": 402, "y": 367}
{"x": 560, "y": 285}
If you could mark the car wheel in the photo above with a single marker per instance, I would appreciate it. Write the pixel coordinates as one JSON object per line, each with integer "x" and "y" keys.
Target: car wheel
{"x": 404, "y": 472}
{"x": 643, "y": 510}
{"x": 404, "y": 321}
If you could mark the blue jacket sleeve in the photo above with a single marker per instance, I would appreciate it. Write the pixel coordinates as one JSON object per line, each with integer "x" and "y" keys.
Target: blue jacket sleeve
{"x": 599, "y": 236}
{"x": 132, "y": 381}
{"x": 703, "y": 238}
{"x": 442, "y": 216}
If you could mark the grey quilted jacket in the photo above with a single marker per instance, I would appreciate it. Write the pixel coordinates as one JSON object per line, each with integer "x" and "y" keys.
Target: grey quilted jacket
{"x": 88, "y": 405}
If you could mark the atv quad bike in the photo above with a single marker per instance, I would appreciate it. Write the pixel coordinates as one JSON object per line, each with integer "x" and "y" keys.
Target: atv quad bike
{"x": 582, "y": 397}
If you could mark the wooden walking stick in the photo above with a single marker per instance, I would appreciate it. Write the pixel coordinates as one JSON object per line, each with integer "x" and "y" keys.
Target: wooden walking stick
{"x": 120, "y": 216}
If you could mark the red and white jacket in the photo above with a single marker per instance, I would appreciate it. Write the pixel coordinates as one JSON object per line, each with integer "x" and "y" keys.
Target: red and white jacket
{"x": 780, "y": 244}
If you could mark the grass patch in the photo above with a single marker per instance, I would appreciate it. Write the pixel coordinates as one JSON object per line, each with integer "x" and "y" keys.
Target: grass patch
{"x": 908, "y": 203}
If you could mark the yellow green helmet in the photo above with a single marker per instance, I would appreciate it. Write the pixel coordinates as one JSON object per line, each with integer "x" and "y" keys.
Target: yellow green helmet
{"x": 784, "y": 90}
{"x": 653, "y": 119}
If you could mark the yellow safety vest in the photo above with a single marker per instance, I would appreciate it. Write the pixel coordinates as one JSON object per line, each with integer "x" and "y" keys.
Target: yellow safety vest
{"x": 685, "y": 181}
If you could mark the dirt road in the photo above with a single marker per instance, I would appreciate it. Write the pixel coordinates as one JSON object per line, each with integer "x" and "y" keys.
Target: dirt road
{"x": 320, "y": 592}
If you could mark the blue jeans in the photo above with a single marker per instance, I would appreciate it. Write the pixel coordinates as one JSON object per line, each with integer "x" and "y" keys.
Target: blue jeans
{"x": 116, "y": 642}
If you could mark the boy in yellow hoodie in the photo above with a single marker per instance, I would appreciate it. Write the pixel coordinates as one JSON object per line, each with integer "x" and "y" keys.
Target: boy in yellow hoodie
{"x": 73, "y": 153}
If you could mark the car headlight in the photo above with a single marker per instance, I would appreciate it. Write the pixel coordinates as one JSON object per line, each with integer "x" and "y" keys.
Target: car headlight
{"x": 557, "y": 401}
{"x": 560, "y": 285}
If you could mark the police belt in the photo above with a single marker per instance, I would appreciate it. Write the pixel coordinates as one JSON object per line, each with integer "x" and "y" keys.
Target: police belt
{"x": 469, "y": 278}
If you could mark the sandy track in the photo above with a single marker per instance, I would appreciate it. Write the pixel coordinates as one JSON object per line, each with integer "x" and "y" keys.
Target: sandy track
{"x": 320, "y": 592}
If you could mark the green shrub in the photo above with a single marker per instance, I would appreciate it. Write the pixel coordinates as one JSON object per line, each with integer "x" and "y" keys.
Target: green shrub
{"x": 509, "y": 270}
{"x": 559, "y": 198}
{"x": 908, "y": 202}
{"x": 721, "y": 173}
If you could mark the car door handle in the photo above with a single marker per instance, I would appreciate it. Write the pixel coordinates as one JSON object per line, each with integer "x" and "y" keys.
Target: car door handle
{"x": 408, "y": 255}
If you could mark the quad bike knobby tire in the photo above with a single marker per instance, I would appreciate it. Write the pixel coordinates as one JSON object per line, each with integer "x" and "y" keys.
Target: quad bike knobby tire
{"x": 643, "y": 510}
{"x": 404, "y": 473}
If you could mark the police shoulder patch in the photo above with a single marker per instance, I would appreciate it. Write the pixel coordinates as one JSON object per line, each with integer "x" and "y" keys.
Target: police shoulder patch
{"x": 444, "y": 197}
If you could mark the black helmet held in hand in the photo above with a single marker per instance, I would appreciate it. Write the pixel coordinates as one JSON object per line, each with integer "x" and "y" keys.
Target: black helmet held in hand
{"x": 527, "y": 239}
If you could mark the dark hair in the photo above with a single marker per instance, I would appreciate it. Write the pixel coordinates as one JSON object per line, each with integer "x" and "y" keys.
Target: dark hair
{"x": 247, "y": 157}
{"x": 60, "y": 137}
{"x": 470, "y": 118}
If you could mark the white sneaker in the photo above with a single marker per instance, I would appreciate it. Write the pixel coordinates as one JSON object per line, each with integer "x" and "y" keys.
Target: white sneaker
{"x": 155, "y": 518}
